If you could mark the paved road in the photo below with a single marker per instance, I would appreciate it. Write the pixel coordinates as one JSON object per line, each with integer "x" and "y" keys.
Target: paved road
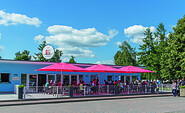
{"x": 138, "y": 105}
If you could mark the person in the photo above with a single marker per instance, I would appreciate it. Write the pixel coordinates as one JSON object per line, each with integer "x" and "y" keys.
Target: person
{"x": 121, "y": 86}
{"x": 157, "y": 88}
{"x": 178, "y": 87}
{"x": 106, "y": 83}
{"x": 81, "y": 87}
{"x": 47, "y": 87}
{"x": 97, "y": 85}
{"x": 182, "y": 82}
{"x": 137, "y": 81}
{"x": 51, "y": 83}
{"x": 174, "y": 88}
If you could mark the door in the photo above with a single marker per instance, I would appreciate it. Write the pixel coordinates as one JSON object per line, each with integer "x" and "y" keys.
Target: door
{"x": 33, "y": 82}
{"x": 41, "y": 79}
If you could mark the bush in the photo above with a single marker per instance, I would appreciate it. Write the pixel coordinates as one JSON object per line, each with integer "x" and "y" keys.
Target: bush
{"x": 182, "y": 87}
{"x": 21, "y": 86}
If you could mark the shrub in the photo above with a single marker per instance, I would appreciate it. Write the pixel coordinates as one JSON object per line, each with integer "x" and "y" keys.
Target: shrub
{"x": 21, "y": 86}
{"x": 182, "y": 87}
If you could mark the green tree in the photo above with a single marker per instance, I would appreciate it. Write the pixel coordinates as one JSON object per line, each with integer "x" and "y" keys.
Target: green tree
{"x": 39, "y": 56}
{"x": 72, "y": 59}
{"x": 147, "y": 51}
{"x": 160, "y": 45}
{"x": 22, "y": 56}
{"x": 0, "y": 57}
{"x": 173, "y": 64}
{"x": 126, "y": 56}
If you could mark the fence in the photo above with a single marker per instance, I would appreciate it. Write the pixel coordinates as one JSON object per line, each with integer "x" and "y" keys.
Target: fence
{"x": 165, "y": 87}
{"x": 77, "y": 91}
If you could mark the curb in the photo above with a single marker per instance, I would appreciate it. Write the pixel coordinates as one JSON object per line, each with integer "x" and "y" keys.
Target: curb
{"x": 67, "y": 100}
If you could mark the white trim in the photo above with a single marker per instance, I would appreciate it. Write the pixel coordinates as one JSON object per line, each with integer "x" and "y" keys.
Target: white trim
{"x": 26, "y": 62}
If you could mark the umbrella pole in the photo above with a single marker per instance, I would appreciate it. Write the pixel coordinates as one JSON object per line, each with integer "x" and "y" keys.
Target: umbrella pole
{"x": 130, "y": 78}
{"x": 61, "y": 78}
{"x": 99, "y": 78}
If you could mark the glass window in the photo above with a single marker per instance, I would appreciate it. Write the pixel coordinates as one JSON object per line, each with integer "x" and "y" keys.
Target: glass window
{"x": 5, "y": 77}
{"x": 134, "y": 78}
{"x": 51, "y": 77}
{"x": 93, "y": 77}
{"x": 80, "y": 77}
{"x": 109, "y": 78}
{"x": 23, "y": 79}
{"x": 58, "y": 77}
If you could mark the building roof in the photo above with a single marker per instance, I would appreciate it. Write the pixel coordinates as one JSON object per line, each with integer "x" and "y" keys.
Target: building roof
{"x": 82, "y": 65}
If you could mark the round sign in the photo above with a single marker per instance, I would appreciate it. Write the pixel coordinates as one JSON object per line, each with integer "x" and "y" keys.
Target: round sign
{"x": 48, "y": 52}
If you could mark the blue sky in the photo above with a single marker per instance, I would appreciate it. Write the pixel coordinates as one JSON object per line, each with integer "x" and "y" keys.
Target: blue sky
{"x": 90, "y": 30}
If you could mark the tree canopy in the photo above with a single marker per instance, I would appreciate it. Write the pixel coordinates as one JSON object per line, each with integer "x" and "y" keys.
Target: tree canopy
{"x": 23, "y": 56}
{"x": 55, "y": 58}
{"x": 72, "y": 59}
{"x": 125, "y": 56}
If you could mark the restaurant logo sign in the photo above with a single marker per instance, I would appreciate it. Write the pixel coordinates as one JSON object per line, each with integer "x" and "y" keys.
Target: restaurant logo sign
{"x": 48, "y": 52}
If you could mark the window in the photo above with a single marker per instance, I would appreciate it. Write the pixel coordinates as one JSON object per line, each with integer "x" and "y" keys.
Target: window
{"x": 23, "y": 79}
{"x": 109, "y": 78}
{"x": 5, "y": 77}
{"x": 58, "y": 77}
{"x": 93, "y": 77}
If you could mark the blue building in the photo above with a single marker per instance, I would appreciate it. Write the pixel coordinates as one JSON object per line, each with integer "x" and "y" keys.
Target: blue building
{"x": 14, "y": 72}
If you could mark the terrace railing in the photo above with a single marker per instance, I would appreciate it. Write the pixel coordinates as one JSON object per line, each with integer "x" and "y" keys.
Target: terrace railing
{"x": 77, "y": 91}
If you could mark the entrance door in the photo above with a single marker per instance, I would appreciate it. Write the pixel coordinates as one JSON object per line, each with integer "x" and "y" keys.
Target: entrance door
{"x": 33, "y": 83}
{"x": 41, "y": 79}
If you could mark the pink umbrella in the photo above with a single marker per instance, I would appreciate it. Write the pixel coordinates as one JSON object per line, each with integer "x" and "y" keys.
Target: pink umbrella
{"x": 62, "y": 67}
{"x": 101, "y": 68}
{"x": 133, "y": 69}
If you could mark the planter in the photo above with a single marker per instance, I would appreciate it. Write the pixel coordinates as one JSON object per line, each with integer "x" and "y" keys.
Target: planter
{"x": 153, "y": 88}
{"x": 20, "y": 93}
{"x": 182, "y": 92}
{"x": 70, "y": 91}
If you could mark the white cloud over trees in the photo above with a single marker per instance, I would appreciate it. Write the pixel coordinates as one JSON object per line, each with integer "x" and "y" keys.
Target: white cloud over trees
{"x": 135, "y": 33}
{"x": 76, "y": 42}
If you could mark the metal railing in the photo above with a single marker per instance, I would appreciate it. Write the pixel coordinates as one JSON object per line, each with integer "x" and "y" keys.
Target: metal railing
{"x": 45, "y": 92}
{"x": 165, "y": 87}
{"x": 86, "y": 90}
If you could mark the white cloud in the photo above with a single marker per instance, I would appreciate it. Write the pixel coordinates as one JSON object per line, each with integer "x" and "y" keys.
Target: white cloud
{"x": 106, "y": 62}
{"x": 39, "y": 38}
{"x": 136, "y": 32}
{"x": 1, "y": 48}
{"x": 76, "y": 52}
{"x": 118, "y": 43}
{"x": 65, "y": 35}
{"x": 76, "y": 42}
{"x": 14, "y": 19}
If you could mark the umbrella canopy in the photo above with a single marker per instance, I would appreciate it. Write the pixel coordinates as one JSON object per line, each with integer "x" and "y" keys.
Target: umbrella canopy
{"x": 62, "y": 67}
{"x": 133, "y": 69}
{"x": 101, "y": 68}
